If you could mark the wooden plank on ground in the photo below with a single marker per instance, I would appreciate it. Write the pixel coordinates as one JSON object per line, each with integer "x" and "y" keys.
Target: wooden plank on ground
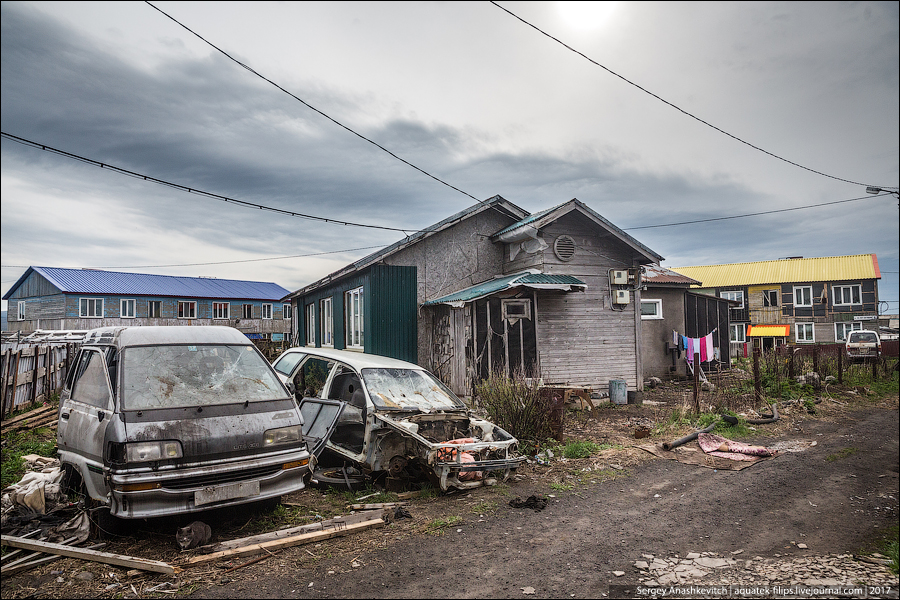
{"x": 296, "y": 540}
{"x": 300, "y": 529}
{"x": 13, "y": 569}
{"x": 30, "y": 414}
{"x": 91, "y": 555}
{"x": 379, "y": 505}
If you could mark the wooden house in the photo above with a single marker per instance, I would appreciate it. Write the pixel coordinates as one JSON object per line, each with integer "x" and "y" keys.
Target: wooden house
{"x": 794, "y": 300}
{"x": 50, "y": 298}
{"x": 669, "y": 306}
{"x": 554, "y": 295}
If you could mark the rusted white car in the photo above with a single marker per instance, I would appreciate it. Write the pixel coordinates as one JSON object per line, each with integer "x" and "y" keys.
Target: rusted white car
{"x": 395, "y": 421}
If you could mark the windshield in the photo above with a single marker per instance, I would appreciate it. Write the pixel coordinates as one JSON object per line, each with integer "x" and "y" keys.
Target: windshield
{"x": 408, "y": 389}
{"x": 179, "y": 376}
{"x": 286, "y": 363}
{"x": 865, "y": 337}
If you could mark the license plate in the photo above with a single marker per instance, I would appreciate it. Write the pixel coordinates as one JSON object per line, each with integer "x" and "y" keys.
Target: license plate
{"x": 229, "y": 491}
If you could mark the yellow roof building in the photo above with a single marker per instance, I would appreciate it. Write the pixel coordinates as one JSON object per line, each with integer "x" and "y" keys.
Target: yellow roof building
{"x": 789, "y": 270}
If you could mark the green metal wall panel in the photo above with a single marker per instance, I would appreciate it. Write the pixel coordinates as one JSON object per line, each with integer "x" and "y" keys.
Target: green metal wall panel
{"x": 389, "y": 311}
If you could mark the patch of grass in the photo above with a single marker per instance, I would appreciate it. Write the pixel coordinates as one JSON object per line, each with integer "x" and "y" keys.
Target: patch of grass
{"x": 439, "y": 526}
{"x": 501, "y": 489}
{"x": 40, "y": 441}
{"x": 485, "y": 506}
{"x": 561, "y": 487}
{"x": 843, "y": 453}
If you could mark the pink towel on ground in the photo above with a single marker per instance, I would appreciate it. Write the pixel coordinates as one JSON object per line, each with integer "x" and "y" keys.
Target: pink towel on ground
{"x": 716, "y": 445}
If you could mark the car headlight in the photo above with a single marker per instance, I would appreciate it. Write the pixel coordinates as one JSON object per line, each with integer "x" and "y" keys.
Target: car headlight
{"x": 152, "y": 451}
{"x": 283, "y": 435}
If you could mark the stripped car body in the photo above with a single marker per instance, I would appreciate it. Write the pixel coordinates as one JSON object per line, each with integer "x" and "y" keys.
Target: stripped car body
{"x": 159, "y": 421}
{"x": 394, "y": 420}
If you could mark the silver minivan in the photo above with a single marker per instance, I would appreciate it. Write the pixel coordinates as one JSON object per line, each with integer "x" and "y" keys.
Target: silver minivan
{"x": 160, "y": 421}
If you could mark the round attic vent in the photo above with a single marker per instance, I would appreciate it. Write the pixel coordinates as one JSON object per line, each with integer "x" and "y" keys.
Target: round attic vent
{"x": 564, "y": 248}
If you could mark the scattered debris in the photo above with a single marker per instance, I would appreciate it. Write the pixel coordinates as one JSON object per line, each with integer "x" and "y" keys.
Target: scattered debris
{"x": 536, "y": 502}
{"x": 88, "y": 554}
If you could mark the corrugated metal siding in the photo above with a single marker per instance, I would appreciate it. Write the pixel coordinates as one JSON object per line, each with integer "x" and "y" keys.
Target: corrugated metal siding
{"x": 80, "y": 281}
{"x": 832, "y": 268}
{"x": 391, "y": 319}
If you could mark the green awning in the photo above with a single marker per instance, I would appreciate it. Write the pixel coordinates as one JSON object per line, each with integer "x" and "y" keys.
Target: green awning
{"x": 529, "y": 279}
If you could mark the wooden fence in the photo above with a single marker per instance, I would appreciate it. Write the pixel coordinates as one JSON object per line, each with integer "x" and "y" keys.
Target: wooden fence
{"x": 31, "y": 373}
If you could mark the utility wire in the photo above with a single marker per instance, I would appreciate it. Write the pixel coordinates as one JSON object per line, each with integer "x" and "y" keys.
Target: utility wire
{"x": 313, "y": 108}
{"x": 224, "y": 262}
{"x": 681, "y": 110}
{"x": 190, "y": 190}
{"x": 766, "y": 212}
{"x": 122, "y": 171}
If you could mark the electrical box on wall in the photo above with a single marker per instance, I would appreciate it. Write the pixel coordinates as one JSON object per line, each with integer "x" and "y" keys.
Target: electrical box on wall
{"x": 619, "y": 278}
{"x": 622, "y": 297}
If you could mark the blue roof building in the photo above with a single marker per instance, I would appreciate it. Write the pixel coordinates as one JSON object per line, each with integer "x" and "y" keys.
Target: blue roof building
{"x": 52, "y": 298}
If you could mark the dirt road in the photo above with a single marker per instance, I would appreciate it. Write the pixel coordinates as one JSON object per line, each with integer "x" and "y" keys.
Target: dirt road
{"x": 835, "y": 497}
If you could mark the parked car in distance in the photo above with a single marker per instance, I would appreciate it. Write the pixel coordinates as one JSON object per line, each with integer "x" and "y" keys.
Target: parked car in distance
{"x": 395, "y": 422}
{"x": 160, "y": 421}
{"x": 862, "y": 345}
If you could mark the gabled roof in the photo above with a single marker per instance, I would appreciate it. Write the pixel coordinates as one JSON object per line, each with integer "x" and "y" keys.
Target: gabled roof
{"x": 657, "y": 275}
{"x": 530, "y": 279}
{"x": 496, "y": 203}
{"x": 91, "y": 281}
{"x": 521, "y": 230}
{"x": 789, "y": 270}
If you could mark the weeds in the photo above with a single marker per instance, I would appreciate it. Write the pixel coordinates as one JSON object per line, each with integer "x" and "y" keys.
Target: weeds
{"x": 439, "y": 526}
{"x": 40, "y": 441}
{"x": 843, "y": 453}
{"x": 485, "y": 506}
{"x": 515, "y": 404}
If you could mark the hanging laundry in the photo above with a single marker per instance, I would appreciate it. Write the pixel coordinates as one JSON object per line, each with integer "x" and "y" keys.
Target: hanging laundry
{"x": 710, "y": 350}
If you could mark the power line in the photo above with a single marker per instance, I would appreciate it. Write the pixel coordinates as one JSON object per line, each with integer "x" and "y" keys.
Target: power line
{"x": 664, "y": 101}
{"x": 313, "y": 108}
{"x": 122, "y": 171}
{"x": 223, "y": 262}
{"x": 766, "y": 212}
{"x": 191, "y": 190}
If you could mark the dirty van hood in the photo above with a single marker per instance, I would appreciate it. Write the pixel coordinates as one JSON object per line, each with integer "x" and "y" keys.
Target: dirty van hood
{"x": 213, "y": 432}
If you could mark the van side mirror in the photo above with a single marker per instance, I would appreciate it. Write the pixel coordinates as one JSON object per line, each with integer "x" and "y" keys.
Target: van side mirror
{"x": 101, "y": 415}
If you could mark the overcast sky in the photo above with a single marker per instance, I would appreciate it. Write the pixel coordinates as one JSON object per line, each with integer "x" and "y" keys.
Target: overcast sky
{"x": 465, "y": 92}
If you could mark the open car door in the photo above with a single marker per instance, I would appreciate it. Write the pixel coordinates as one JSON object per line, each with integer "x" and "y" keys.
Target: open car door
{"x": 319, "y": 419}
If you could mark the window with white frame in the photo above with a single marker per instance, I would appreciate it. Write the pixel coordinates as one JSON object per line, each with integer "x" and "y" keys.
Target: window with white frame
{"x": 154, "y": 309}
{"x": 266, "y": 311}
{"x": 126, "y": 309}
{"x": 310, "y": 324}
{"x": 737, "y": 295}
{"x": 770, "y": 298}
{"x": 651, "y": 309}
{"x": 842, "y": 330}
{"x": 353, "y": 313}
{"x": 845, "y": 295}
{"x": 285, "y": 311}
{"x": 803, "y": 295}
{"x": 246, "y": 311}
{"x": 90, "y": 308}
{"x": 221, "y": 310}
{"x": 326, "y": 317}
{"x": 737, "y": 333}
{"x": 187, "y": 310}
{"x": 804, "y": 333}
{"x": 21, "y": 311}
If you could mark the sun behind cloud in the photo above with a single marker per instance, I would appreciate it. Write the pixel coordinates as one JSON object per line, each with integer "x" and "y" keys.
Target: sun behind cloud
{"x": 584, "y": 14}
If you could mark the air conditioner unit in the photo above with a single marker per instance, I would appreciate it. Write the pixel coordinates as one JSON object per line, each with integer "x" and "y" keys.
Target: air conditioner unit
{"x": 622, "y": 297}
{"x": 619, "y": 278}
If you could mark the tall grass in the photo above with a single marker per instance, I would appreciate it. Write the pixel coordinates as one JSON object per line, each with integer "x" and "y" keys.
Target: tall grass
{"x": 516, "y": 404}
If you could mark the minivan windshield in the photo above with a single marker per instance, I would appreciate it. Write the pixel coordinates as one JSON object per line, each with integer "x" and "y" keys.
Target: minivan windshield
{"x": 400, "y": 389}
{"x": 177, "y": 376}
